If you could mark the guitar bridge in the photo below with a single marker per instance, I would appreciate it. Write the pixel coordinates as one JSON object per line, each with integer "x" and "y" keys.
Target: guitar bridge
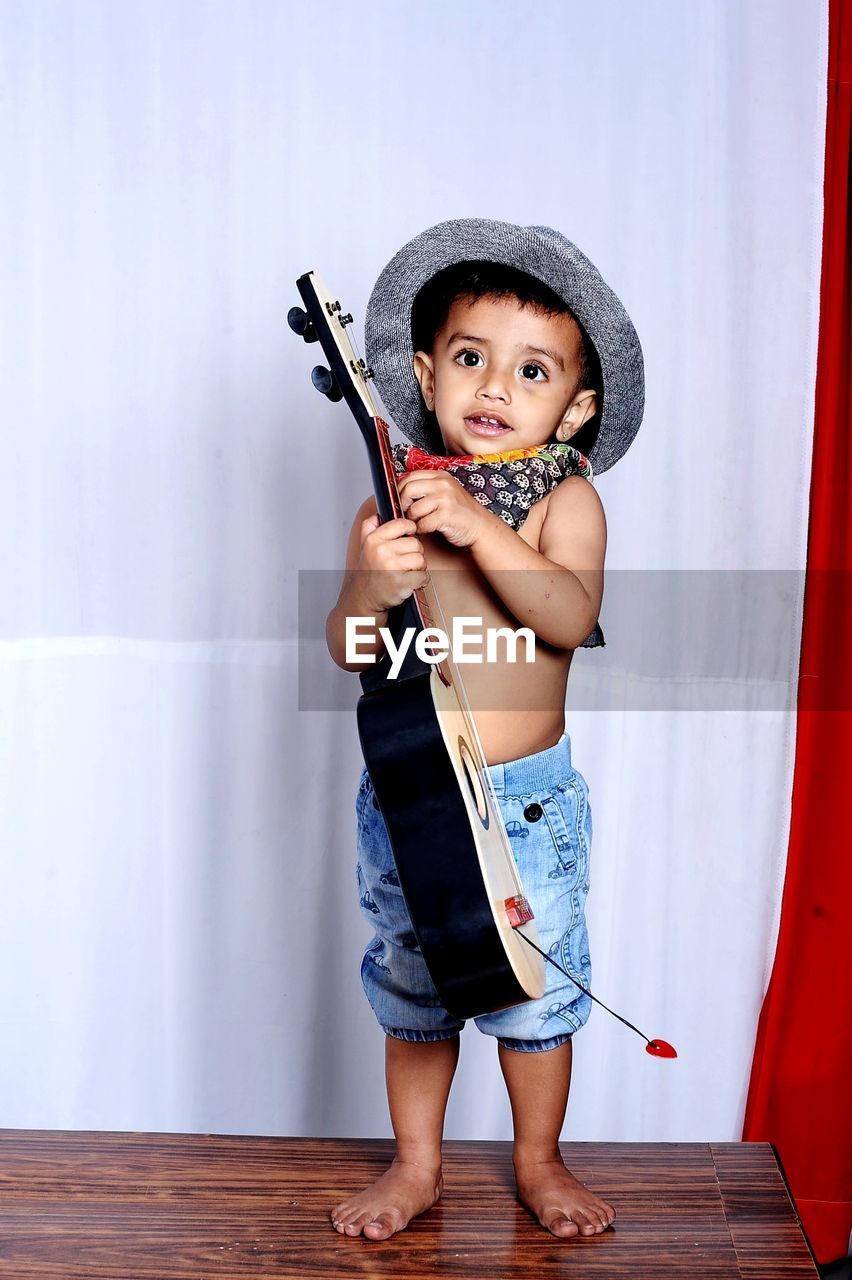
{"x": 518, "y": 910}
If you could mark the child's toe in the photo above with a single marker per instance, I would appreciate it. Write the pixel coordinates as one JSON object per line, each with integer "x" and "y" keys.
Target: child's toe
{"x": 560, "y": 1224}
{"x": 379, "y": 1228}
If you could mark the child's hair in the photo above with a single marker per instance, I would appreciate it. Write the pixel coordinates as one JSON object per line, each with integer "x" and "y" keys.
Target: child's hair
{"x": 481, "y": 279}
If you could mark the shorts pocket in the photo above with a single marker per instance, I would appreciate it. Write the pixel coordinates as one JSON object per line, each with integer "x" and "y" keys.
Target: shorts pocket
{"x": 578, "y": 816}
{"x": 361, "y": 797}
{"x": 561, "y": 811}
{"x": 585, "y": 810}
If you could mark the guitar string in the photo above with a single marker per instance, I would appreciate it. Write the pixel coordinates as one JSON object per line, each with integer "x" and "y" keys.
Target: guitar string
{"x": 585, "y": 991}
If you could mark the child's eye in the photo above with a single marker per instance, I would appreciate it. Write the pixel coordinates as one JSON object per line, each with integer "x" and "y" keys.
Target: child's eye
{"x": 538, "y": 369}
{"x": 468, "y": 352}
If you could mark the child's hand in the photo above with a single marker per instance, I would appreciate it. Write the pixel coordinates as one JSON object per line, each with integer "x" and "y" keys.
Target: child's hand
{"x": 394, "y": 561}
{"x": 438, "y": 503}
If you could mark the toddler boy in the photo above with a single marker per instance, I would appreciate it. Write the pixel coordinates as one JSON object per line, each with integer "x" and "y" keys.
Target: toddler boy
{"x": 487, "y": 339}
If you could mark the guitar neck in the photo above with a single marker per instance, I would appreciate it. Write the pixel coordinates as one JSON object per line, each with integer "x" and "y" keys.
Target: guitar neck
{"x": 350, "y": 378}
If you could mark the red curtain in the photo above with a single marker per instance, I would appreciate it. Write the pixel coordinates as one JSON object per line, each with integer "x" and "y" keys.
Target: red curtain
{"x": 800, "y": 1093}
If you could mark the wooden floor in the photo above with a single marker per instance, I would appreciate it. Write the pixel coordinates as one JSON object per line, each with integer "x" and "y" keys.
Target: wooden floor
{"x": 156, "y": 1206}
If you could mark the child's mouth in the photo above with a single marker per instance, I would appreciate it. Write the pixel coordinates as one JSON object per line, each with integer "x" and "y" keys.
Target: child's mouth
{"x": 486, "y": 425}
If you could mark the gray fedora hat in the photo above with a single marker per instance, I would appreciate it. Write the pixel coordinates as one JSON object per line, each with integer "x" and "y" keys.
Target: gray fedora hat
{"x": 540, "y": 252}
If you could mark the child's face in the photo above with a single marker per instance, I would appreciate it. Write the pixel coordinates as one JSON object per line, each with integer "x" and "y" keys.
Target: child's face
{"x": 494, "y": 358}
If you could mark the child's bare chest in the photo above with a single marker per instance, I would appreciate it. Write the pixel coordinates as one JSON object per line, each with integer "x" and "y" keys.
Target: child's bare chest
{"x": 518, "y": 706}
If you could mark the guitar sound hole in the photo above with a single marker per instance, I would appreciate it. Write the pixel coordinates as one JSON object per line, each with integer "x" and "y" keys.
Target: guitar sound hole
{"x": 474, "y": 782}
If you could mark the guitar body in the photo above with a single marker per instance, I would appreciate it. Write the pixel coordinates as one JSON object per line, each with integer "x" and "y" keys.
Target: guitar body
{"x": 422, "y": 751}
{"x": 447, "y": 850}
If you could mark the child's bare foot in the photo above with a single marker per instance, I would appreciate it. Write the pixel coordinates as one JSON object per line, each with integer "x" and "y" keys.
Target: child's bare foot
{"x": 388, "y": 1204}
{"x": 560, "y": 1202}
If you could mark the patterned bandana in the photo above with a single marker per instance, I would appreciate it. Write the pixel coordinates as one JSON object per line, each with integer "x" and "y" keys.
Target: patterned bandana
{"x": 506, "y": 483}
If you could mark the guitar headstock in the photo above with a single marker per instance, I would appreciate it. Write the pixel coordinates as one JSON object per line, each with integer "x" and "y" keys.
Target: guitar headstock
{"x": 323, "y": 320}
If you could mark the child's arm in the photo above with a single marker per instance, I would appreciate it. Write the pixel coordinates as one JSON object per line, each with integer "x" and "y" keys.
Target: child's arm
{"x": 555, "y": 591}
{"x": 385, "y": 563}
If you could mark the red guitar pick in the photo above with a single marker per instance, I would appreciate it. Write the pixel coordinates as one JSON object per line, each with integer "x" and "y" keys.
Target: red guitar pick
{"x": 661, "y": 1049}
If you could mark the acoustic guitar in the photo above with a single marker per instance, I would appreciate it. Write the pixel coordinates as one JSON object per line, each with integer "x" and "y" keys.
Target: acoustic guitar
{"x": 423, "y": 754}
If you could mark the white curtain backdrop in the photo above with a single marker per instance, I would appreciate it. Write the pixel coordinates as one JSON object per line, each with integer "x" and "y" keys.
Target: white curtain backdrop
{"x": 181, "y": 937}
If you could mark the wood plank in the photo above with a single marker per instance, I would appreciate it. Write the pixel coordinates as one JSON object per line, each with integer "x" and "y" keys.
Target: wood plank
{"x": 766, "y": 1230}
{"x": 143, "y": 1206}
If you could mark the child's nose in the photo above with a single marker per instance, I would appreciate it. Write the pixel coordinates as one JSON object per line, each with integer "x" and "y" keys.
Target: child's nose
{"x": 495, "y": 386}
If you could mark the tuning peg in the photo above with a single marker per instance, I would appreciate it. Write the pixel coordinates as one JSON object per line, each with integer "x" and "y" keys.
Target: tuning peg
{"x": 301, "y": 323}
{"x": 323, "y": 380}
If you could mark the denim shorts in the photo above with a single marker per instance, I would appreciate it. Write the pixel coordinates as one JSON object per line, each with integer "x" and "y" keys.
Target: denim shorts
{"x": 545, "y": 806}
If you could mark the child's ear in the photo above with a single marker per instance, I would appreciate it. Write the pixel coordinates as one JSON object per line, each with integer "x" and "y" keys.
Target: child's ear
{"x": 424, "y": 372}
{"x": 581, "y": 408}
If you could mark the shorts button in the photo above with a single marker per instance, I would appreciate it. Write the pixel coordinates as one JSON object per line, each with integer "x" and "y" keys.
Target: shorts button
{"x": 375, "y": 801}
{"x": 532, "y": 813}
